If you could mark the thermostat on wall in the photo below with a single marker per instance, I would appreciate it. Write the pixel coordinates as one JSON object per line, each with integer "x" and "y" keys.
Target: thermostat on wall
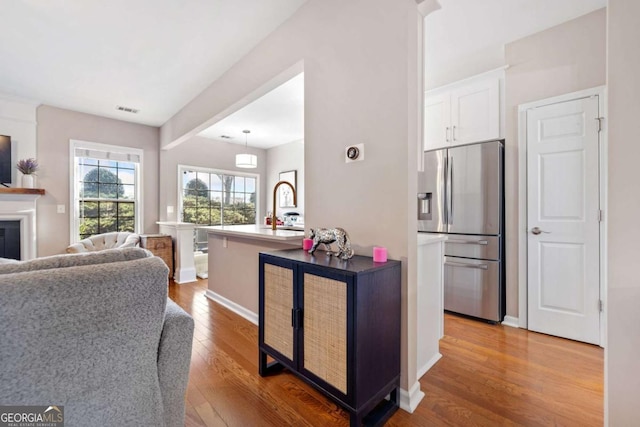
{"x": 354, "y": 153}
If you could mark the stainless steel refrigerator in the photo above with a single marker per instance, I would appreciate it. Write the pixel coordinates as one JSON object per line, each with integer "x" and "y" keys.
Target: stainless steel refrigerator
{"x": 461, "y": 194}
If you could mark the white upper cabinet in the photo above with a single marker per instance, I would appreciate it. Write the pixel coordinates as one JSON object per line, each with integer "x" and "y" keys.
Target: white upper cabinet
{"x": 437, "y": 118}
{"x": 475, "y": 112}
{"x": 462, "y": 113}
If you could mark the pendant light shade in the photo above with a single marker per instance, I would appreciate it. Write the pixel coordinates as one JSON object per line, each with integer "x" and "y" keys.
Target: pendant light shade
{"x": 246, "y": 160}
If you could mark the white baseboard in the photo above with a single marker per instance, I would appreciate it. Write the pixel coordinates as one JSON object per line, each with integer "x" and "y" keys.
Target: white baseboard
{"x": 236, "y": 308}
{"x": 185, "y": 275}
{"x": 429, "y": 365}
{"x": 511, "y": 321}
{"x": 410, "y": 399}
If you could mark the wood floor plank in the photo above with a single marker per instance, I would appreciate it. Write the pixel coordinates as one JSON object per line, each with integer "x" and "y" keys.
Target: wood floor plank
{"x": 489, "y": 375}
{"x": 192, "y": 419}
{"x": 209, "y": 416}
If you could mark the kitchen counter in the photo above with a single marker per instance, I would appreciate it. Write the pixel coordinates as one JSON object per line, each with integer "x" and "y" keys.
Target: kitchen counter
{"x": 261, "y": 232}
{"x": 233, "y": 262}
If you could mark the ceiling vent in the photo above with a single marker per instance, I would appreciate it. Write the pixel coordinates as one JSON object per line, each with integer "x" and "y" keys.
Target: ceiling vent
{"x": 226, "y": 137}
{"x": 127, "y": 109}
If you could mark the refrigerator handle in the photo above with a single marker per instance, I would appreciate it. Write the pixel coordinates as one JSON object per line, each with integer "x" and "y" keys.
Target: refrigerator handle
{"x": 443, "y": 188}
{"x": 450, "y": 214}
{"x": 465, "y": 265}
{"x": 468, "y": 242}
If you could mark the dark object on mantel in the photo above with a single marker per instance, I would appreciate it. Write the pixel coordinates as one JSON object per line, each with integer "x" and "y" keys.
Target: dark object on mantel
{"x": 6, "y": 160}
{"x": 336, "y": 325}
{"x": 39, "y": 191}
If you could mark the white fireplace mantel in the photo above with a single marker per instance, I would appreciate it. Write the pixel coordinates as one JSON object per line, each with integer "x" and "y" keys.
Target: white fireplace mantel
{"x": 19, "y": 204}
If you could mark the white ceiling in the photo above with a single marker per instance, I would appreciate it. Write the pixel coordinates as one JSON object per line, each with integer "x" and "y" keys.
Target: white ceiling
{"x": 274, "y": 119}
{"x": 157, "y": 55}
{"x": 151, "y": 55}
{"x": 472, "y": 30}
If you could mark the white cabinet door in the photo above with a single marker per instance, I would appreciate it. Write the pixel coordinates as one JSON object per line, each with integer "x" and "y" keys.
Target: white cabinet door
{"x": 437, "y": 119}
{"x": 475, "y": 112}
{"x": 469, "y": 113}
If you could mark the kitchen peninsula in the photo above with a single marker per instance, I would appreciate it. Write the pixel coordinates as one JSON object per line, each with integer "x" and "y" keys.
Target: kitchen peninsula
{"x": 233, "y": 263}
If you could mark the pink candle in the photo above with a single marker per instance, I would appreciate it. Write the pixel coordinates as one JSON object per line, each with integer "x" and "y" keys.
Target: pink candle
{"x": 379, "y": 254}
{"x": 307, "y": 244}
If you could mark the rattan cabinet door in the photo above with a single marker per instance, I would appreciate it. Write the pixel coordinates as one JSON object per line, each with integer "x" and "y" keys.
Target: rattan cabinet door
{"x": 325, "y": 329}
{"x": 278, "y": 303}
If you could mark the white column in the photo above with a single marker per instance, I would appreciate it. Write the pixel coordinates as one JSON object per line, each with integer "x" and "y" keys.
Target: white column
{"x": 182, "y": 234}
{"x": 429, "y": 315}
{"x": 413, "y": 312}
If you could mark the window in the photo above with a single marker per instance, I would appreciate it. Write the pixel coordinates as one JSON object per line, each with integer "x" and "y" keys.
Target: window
{"x": 106, "y": 189}
{"x": 210, "y": 197}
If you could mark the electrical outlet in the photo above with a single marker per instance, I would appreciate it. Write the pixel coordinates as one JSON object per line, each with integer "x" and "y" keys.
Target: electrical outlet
{"x": 61, "y": 209}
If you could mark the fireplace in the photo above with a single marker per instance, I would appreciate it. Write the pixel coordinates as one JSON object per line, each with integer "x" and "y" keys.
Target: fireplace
{"x": 10, "y": 239}
{"x": 18, "y": 218}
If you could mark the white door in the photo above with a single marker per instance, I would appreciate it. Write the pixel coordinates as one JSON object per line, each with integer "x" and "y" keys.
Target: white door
{"x": 437, "y": 116}
{"x": 475, "y": 112}
{"x": 563, "y": 220}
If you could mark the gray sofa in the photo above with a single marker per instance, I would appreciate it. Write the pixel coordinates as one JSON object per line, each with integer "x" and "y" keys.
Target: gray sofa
{"x": 95, "y": 333}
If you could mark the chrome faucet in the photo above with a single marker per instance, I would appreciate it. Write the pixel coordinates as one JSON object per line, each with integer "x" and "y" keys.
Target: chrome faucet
{"x": 274, "y": 218}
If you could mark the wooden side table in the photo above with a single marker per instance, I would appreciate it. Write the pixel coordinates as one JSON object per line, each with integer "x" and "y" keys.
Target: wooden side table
{"x": 161, "y": 245}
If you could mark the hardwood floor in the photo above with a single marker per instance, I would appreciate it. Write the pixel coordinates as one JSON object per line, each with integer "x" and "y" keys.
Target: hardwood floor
{"x": 488, "y": 376}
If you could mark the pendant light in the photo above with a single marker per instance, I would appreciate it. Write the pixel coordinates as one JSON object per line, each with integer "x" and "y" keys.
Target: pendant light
{"x": 247, "y": 160}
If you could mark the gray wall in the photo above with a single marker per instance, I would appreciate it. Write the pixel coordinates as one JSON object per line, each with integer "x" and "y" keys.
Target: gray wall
{"x": 283, "y": 158}
{"x": 55, "y": 128}
{"x": 361, "y": 85}
{"x": 562, "y": 59}
{"x": 622, "y": 363}
{"x": 206, "y": 153}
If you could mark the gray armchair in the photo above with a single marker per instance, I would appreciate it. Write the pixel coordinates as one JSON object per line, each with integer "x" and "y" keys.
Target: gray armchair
{"x": 95, "y": 333}
{"x": 99, "y": 242}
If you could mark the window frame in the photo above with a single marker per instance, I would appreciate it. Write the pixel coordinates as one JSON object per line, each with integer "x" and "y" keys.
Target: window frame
{"x": 74, "y": 188}
{"x": 186, "y": 168}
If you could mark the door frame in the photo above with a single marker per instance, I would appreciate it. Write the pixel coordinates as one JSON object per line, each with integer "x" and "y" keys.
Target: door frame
{"x": 601, "y": 92}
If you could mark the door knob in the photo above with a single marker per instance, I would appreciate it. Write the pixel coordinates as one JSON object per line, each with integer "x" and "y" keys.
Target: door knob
{"x": 536, "y": 231}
